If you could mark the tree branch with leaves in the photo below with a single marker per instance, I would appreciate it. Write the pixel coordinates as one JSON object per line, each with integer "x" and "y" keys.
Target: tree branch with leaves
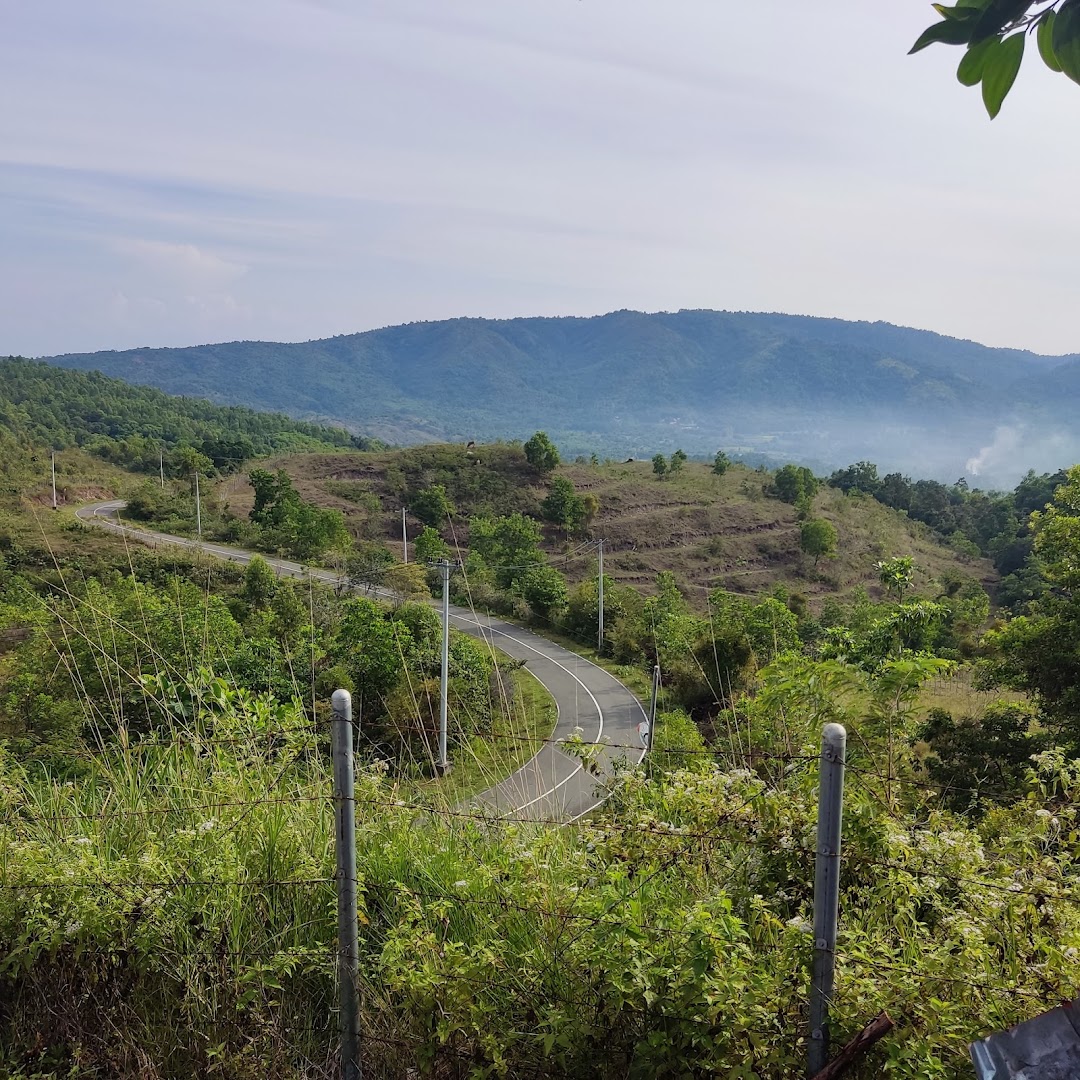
{"x": 995, "y": 34}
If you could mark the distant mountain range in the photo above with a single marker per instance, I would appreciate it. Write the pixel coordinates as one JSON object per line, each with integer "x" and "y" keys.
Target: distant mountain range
{"x": 825, "y": 391}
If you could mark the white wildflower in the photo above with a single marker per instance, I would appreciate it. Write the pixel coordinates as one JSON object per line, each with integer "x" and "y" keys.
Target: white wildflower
{"x": 81, "y": 840}
{"x": 461, "y": 884}
{"x": 804, "y": 926}
{"x": 207, "y": 825}
{"x": 1042, "y": 813}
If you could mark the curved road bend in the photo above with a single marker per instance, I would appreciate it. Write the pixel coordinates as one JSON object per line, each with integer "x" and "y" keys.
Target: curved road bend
{"x": 551, "y": 785}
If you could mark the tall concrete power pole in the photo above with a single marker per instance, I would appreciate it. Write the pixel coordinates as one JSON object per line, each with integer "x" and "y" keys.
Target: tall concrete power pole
{"x": 600, "y": 602}
{"x": 442, "y": 766}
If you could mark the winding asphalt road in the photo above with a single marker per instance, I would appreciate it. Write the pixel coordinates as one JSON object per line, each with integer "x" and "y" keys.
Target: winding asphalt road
{"x": 552, "y": 785}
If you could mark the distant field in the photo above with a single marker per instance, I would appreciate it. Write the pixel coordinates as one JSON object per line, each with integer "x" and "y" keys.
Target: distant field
{"x": 711, "y": 531}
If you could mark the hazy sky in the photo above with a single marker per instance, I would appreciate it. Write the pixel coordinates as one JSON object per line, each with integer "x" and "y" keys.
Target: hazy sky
{"x": 287, "y": 169}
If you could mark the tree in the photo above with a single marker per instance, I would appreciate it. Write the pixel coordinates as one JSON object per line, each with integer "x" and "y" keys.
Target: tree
{"x": 509, "y": 545}
{"x": 995, "y": 32}
{"x": 228, "y": 453}
{"x": 721, "y": 463}
{"x": 896, "y": 574}
{"x": 188, "y": 461}
{"x": 862, "y": 476}
{"x": 818, "y": 537}
{"x": 366, "y": 566}
{"x": 430, "y": 546}
{"x": 563, "y": 505}
{"x": 1037, "y": 653}
{"x": 678, "y": 460}
{"x": 406, "y": 580}
{"x": 660, "y": 466}
{"x": 543, "y": 589}
{"x": 260, "y": 583}
{"x": 794, "y": 482}
{"x": 590, "y": 505}
{"x": 541, "y": 453}
{"x": 432, "y": 505}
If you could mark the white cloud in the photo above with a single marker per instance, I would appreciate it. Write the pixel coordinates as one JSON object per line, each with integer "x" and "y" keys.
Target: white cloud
{"x": 182, "y": 262}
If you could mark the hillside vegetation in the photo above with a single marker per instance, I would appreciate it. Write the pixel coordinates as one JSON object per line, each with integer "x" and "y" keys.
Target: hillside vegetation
{"x": 791, "y": 387}
{"x": 131, "y": 425}
{"x": 709, "y": 530}
{"x": 167, "y": 860}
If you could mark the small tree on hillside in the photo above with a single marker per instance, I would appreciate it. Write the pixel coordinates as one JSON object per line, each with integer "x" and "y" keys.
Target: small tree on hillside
{"x": 896, "y": 574}
{"x": 678, "y": 460}
{"x": 563, "y": 505}
{"x": 793, "y": 482}
{"x": 590, "y": 505}
{"x": 721, "y": 463}
{"x": 818, "y": 538}
{"x": 432, "y": 505}
{"x": 541, "y": 452}
{"x": 660, "y": 466}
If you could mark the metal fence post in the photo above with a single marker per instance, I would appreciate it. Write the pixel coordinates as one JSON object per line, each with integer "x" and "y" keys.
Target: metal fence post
{"x": 442, "y": 766}
{"x": 348, "y": 936}
{"x": 826, "y": 890}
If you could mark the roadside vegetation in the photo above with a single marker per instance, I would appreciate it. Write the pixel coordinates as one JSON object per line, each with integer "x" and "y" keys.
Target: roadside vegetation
{"x": 166, "y": 842}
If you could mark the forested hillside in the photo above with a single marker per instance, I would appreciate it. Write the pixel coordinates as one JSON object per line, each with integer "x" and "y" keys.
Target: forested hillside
{"x": 168, "y": 840}
{"x": 822, "y": 391}
{"x": 130, "y": 425}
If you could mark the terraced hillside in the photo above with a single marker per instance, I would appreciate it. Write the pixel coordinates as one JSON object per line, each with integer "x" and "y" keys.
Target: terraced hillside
{"x": 709, "y": 530}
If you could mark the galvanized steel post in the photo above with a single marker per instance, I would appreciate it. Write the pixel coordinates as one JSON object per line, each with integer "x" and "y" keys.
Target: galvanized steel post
{"x": 348, "y": 966}
{"x": 442, "y": 766}
{"x": 826, "y": 890}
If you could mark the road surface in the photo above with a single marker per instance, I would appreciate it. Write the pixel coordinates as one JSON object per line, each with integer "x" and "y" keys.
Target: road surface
{"x": 552, "y": 785}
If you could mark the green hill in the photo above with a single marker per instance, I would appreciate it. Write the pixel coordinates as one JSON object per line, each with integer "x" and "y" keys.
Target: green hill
{"x": 821, "y": 390}
{"x": 129, "y": 424}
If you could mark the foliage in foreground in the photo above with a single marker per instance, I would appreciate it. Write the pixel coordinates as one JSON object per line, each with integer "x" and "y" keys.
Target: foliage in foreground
{"x": 172, "y": 909}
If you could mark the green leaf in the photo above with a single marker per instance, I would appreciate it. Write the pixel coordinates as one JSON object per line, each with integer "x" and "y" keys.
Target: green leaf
{"x": 958, "y": 13}
{"x": 1045, "y": 38}
{"x": 996, "y": 18}
{"x": 1000, "y": 68}
{"x": 970, "y": 71}
{"x": 949, "y": 32}
{"x": 1065, "y": 38}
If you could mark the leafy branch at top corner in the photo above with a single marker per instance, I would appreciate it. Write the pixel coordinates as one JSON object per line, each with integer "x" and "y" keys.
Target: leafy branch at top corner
{"x": 995, "y": 33}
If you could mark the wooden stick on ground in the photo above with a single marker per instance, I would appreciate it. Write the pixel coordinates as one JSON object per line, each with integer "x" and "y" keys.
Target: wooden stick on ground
{"x": 878, "y": 1028}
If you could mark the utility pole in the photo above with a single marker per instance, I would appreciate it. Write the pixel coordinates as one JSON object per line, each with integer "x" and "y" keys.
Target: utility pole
{"x": 198, "y": 507}
{"x": 348, "y": 935}
{"x": 652, "y": 708}
{"x": 404, "y": 539}
{"x": 600, "y": 598}
{"x": 442, "y": 766}
{"x": 161, "y": 467}
{"x": 826, "y": 891}
{"x": 52, "y": 465}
